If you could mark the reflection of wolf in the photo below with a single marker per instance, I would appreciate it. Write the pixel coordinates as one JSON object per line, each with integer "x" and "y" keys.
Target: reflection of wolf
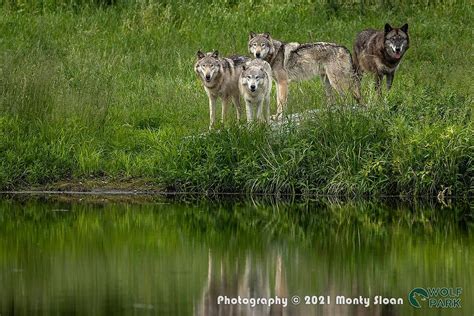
{"x": 251, "y": 280}
{"x": 255, "y": 85}
{"x": 265, "y": 277}
{"x": 220, "y": 77}
{"x": 380, "y": 52}
{"x": 294, "y": 61}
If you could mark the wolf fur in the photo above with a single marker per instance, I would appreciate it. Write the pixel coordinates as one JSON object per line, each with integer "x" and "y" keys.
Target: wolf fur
{"x": 255, "y": 86}
{"x": 295, "y": 62}
{"x": 380, "y": 52}
{"x": 220, "y": 77}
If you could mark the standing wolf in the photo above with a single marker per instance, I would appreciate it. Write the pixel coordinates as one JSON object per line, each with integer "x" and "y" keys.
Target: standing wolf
{"x": 294, "y": 61}
{"x": 255, "y": 85}
{"x": 220, "y": 77}
{"x": 380, "y": 52}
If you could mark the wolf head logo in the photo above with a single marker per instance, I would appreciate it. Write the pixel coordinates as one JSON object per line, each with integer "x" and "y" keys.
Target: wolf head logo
{"x": 416, "y": 295}
{"x": 396, "y": 41}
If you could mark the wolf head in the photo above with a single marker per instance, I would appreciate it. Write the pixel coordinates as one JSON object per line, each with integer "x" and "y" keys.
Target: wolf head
{"x": 253, "y": 75}
{"x": 208, "y": 66}
{"x": 396, "y": 41}
{"x": 260, "y": 45}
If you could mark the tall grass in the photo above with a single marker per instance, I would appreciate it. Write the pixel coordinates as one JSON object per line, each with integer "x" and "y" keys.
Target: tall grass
{"x": 106, "y": 89}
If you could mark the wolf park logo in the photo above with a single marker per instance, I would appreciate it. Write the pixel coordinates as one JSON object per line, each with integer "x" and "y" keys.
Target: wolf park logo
{"x": 441, "y": 297}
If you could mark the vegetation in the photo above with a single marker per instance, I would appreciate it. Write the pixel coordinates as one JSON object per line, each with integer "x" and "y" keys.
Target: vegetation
{"x": 106, "y": 89}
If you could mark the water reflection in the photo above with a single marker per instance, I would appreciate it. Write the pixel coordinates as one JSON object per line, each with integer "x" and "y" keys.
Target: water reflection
{"x": 176, "y": 258}
{"x": 252, "y": 280}
{"x": 248, "y": 280}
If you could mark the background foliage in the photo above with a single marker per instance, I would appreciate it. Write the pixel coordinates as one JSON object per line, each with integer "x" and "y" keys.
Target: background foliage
{"x": 104, "y": 88}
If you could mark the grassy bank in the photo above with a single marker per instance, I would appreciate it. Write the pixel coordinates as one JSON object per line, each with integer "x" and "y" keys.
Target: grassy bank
{"x": 92, "y": 90}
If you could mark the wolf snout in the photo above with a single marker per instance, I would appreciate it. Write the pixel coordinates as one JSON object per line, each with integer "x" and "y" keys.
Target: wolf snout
{"x": 397, "y": 50}
{"x": 252, "y": 88}
{"x": 257, "y": 55}
{"x": 208, "y": 77}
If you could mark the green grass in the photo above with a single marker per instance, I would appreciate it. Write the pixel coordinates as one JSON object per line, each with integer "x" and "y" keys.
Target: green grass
{"x": 92, "y": 90}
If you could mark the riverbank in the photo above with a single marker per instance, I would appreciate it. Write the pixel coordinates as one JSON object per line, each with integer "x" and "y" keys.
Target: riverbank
{"x": 108, "y": 92}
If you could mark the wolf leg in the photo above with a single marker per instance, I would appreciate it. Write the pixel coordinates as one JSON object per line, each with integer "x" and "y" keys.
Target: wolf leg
{"x": 390, "y": 77}
{"x": 212, "y": 111}
{"x": 248, "y": 108}
{"x": 238, "y": 108}
{"x": 355, "y": 89}
{"x": 261, "y": 110}
{"x": 277, "y": 96}
{"x": 267, "y": 108}
{"x": 357, "y": 69}
{"x": 378, "y": 84}
{"x": 282, "y": 97}
{"x": 328, "y": 89}
{"x": 225, "y": 108}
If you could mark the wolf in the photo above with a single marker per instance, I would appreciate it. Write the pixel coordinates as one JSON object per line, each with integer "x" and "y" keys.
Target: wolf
{"x": 220, "y": 77}
{"x": 380, "y": 52}
{"x": 294, "y": 62}
{"x": 255, "y": 86}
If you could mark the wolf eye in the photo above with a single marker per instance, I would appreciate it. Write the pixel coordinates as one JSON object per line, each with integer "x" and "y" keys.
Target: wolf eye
{"x": 254, "y": 44}
{"x": 263, "y": 44}
{"x": 248, "y": 77}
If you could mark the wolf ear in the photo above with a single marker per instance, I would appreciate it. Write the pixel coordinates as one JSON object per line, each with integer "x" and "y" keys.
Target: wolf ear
{"x": 404, "y": 28}
{"x": 215, "y": 54}
{"x": 252, "y": 35}
{"x": 266, "y": 35}
{"x": 388, "y": 28}
{"x": 200, "y": 55}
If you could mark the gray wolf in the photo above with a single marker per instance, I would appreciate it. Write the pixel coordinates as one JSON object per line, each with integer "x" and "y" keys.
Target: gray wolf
{"x": 294, "y": 62}
{"x": 255, "y": 86}
{"x": 220, "y": 77}
{"x": 380, "y": 52}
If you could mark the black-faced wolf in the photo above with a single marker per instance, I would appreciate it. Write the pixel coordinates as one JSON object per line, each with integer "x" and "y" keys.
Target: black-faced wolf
{"x": 294, "y": 62}
{"x": 380, "y": 52}
{"x": 220, "y": 77}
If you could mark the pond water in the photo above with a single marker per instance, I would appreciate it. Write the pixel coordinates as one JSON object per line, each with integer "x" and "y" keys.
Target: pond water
{"x": 163, "y": 256}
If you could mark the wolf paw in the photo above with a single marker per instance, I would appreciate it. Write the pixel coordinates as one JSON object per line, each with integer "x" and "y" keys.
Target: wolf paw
{"x": 276, "y": 117}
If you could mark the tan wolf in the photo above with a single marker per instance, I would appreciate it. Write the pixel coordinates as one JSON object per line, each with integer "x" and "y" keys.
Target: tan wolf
{"x": 294, "y": 62}
{"x": 380, "y": 52}
{"x": 220, "y": 77}
{"x": 255, "y": 86}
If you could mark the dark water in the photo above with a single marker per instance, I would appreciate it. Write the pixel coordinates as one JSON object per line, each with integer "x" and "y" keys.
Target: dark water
{"x": 164, "y": 257}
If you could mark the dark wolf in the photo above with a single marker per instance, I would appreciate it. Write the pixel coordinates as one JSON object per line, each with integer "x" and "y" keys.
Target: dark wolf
{"x": 380, "y": 52}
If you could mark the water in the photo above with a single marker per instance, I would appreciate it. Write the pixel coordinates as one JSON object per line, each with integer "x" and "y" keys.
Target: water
{"x": 160, "y": 256}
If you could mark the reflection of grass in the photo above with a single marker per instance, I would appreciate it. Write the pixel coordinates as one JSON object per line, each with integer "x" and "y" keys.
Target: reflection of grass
{"x": 91, "y": 89}
{"x": 301, "y": 222}
{"x": 90, "y": 255}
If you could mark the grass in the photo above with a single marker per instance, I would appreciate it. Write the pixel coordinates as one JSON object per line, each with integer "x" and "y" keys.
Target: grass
{"x": 106, "y": 89}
